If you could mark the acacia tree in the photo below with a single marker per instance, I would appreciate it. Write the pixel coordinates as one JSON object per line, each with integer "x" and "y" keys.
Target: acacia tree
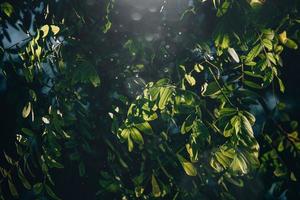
{"x": 169, "y": 115}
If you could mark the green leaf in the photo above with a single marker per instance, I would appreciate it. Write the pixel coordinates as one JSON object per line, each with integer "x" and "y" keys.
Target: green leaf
{"x": 268, "y": 34}
{"x": 125, "y": 133}
{"x": 291, "y": 44}
{"x": 130, "y": 144}
{"x": 254, "y": 52}
{"x": 268, "y": 44}
{"x": 188, "y": 167}
{"x": 281, "y": 85}
{"x": 23, "y": 179}
{"x": 51, "y": 193}
{"x": 81, "y": 169}
{"x": 165, "y": 94}
{"x": 239, "y": 165}
{"x": 26, "y": 110}
{"x": 144, "y": 127}
{"x": 187, "y": 124}
{"x": 252, "y": 84}
{"x": 228, "y": 130}
{"x": 13, "y": 189}
{"x": 136, "y": 135}
{"x": 223, "y": 9}
{"x": 280, "y": 147}
{"x": 293, "y": 177}
{"x": 9, "y": 159}
{"x": 227, "y": 112}
{"x": 246, "y": 125}
{"x": 54, "y": 163}
{"x": 37, "y": 188}
{"x": 211, "y": 89}
{"x": 28, "y": 132}
{"x": 250, "y": 117}
{"x": 234, "y": 55}
{"x": 95, "y": 79}
{"x": 107, "y": 26}
{"x": 271, "y": 57}
{"x": 155, "y": 187}
{"x": 7, "y": 8}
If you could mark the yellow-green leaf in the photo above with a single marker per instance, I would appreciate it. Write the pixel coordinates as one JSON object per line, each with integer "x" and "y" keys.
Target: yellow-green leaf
{"x": 145, "y": 128}
{"x": 45, "y": 30}
{"x": 26, "y": 110}
{"x": 136, "y": 135}
{"x": 283, "y": 37}
{"x": 190, "y": 79}
{"x": 291, "y": 44}
{"x": 130, "y": 144}
{"x": 7, "y": 8}
{"x": 54, "y": 29}
{"x": 239, "y": 165}
{"x": 293, "y": 177}
{"x": 155, "y": 187}
{"x": 188, "y": 167}
{"x": 268, "y": 44}
{"x": 125, "y": 133}
{"x": 198, "y": 67}
{"x": 165, "y": 94}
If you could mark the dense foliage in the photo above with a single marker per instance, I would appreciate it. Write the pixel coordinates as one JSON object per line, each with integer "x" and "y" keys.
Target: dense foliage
{"x": 148, "y": 99}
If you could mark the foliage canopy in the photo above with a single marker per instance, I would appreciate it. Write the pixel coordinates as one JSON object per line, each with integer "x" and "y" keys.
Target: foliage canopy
{"x": 147, "y": 101}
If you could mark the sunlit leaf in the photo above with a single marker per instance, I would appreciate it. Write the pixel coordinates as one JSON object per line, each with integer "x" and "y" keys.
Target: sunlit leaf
{"x": 283, "y": 37}
{"x": 54, "y": 29}
{"x": 188, "y": 167}
{"x": 155, "y": 187}
{"x": 136, "y": 135}
{"x": 291, "y": 44}
{"x": 239, "y": 165}
{"x": 268, "y": 44}
{"x": 190, "y": 79}
{"x": 198, "y": 67}
{"x": 145, "y": 128}
{"x": 26, "y": 110}
{"x": 165, "y": 94}
{"x": 45, "y": 30}
{"x": 254, "y": 52}
{"x": 234, "y": 55}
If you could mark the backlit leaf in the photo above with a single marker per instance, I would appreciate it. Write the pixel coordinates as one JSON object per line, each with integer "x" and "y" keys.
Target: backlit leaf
{"x": 54, "y": 29}
{"x": 155, "y": 187}
{"x": 188, "y": 167}
{"x": 26, "y": 110}
{"x": 234, "y": 55}
{"x": 136, "y": 135}
{"x": 45, "y": 30}
{"x": 190, "y": 79}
